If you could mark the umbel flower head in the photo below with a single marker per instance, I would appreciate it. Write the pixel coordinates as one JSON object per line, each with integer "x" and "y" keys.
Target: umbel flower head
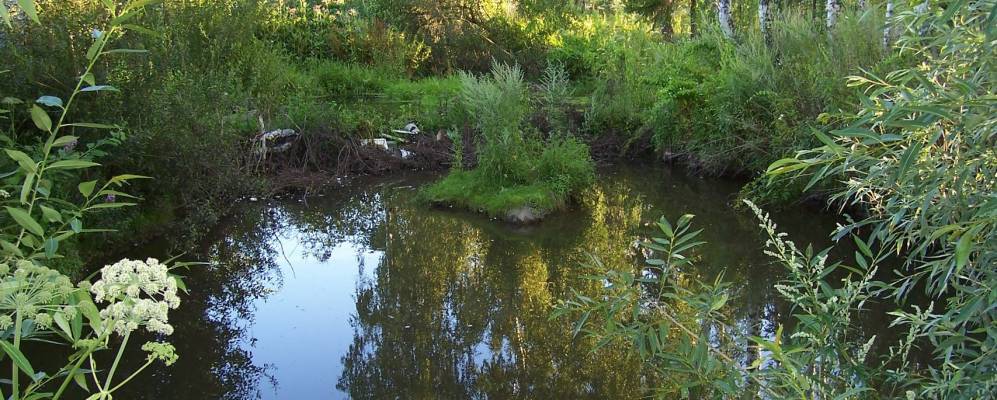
{"x": 31, "y": 291}
{"x": 140, "y": 294}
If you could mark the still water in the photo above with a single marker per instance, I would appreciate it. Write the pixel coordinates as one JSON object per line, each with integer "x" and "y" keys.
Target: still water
{"x": 364, "y": 293}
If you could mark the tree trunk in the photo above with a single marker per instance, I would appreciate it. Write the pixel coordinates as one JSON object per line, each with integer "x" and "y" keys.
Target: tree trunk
{"x": 692, "y": 17}
{"x": 887, "y": 35}
{"x": 832, "y": 13}
{"x": 763, "y": 21}
{"x": 667, "y": 9}
{"x": 723, "y": 14}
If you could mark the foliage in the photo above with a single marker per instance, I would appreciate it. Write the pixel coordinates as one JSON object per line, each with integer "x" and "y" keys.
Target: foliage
{"x": 516, "y": 167}
{"x": 39, "y": 304}
{"x": 918, "y": 158}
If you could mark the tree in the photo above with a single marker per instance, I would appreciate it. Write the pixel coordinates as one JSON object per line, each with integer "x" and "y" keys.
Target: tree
{"x": 832, "y": 9}
{"x": 726, "y": 22}
{"x": 693, "y": 17}
{"x": 764, "y": 21}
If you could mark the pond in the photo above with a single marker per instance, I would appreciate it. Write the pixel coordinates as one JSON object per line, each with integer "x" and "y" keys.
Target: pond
{"x": 364, "y": 293}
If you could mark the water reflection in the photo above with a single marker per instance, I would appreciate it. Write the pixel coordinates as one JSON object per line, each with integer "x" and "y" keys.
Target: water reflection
{"x": 363, "y": 293}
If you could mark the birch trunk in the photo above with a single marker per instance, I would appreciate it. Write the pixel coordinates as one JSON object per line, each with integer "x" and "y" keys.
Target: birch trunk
{"x": 723, "y": 14}
{"x": 764, "y": 21}
{"x": 832, "y": 13}
{"x": 887, "y": 34}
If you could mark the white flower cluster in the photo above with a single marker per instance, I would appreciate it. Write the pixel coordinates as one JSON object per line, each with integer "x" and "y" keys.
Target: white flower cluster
{"x": 140, "y": 294}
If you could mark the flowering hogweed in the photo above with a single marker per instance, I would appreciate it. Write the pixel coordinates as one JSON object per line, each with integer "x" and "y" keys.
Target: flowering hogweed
{"x": 140, "y": 294}
{"x": 32, "y": 291}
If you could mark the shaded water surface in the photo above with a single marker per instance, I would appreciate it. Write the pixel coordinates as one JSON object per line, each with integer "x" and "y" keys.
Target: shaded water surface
{"x": 364, "y": 293}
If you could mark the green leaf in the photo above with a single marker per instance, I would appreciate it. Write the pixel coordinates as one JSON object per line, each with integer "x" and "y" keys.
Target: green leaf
{"x": 41, "y": 118}
{"x": 10, "y": 248}
{"x": 856, "y": 132}
{"x": 109, "y": 205}
{"x": 28, "y": 6}
{"x": 51, "y": 215}
{"x": 119, "y": 179}
{"x": 91, "y": 125}
{"x": 17, "y": 357}
{"x": 99, "y": 88}
{"x": 125, "y": 51}
{"x": 864, "y": 248}
{"x": 24, "y": 219}
{"x": 963, "y": 249}
{"x": 63, "y": 323}
{"x": 97, "y": 44}
{"x": 80, "y": 378}
{"x": 72, "y": 164}
{"x": 910, "y": 155}
{"x": 836, "y": 148}
{"x": 25, "y": 161}
{"x": 29, "y": 182}
{"x": 50, "y": 101}
{"x": 76, "y": 225}
{"x": 121, "y": 19}
{"x": 64, "y": 140}
{"x": 89, "y": 79}
{"x": 86, "y": 188}
{"x": 51, "y": 246}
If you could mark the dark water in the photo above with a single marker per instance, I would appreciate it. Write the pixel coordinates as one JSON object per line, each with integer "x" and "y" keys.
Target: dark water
{"x": 364, "y": 293}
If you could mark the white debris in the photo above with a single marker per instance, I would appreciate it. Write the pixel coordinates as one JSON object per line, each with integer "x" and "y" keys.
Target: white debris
{"x": 276, "y": 141}
{"x": 411, "y": 129}
{"x": 379, "y": 142}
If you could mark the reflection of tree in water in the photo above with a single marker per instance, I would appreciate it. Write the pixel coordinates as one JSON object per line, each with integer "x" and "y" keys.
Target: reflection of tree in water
{"x": 211, "y": 338}
{"x": 459, "y": 308}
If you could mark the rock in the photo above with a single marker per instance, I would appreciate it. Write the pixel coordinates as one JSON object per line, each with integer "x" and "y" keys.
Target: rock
{"x": 523, "y": 215}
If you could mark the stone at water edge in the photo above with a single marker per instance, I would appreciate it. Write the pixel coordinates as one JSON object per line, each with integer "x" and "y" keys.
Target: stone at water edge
{"x": 523, "y": 215}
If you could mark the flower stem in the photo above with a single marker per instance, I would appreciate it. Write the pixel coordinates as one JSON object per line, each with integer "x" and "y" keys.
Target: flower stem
{"x": 15, "y": 374}
{"x": 117, "y": 359}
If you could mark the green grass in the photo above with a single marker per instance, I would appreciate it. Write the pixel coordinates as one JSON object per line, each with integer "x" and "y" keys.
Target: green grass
{"x": 475, "y": 191}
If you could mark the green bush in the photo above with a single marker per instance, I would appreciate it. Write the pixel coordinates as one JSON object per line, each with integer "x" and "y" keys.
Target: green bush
{"x": 516, "y": 166}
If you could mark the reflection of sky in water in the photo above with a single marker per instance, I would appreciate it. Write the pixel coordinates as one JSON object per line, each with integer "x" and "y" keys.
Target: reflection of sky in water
{"x": 300, "y": 330}
{"x": 366, "y": 293}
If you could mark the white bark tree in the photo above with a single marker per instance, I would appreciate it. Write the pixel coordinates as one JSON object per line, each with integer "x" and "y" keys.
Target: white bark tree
{"x": 887, "y": 34}
{"x": 764, "y": 21}
{"x": 726, "y": 22}
{"x": 832, "y": 8}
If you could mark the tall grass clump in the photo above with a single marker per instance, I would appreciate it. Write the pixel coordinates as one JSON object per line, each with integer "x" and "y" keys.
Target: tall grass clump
{"x": 516, "y": 167}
